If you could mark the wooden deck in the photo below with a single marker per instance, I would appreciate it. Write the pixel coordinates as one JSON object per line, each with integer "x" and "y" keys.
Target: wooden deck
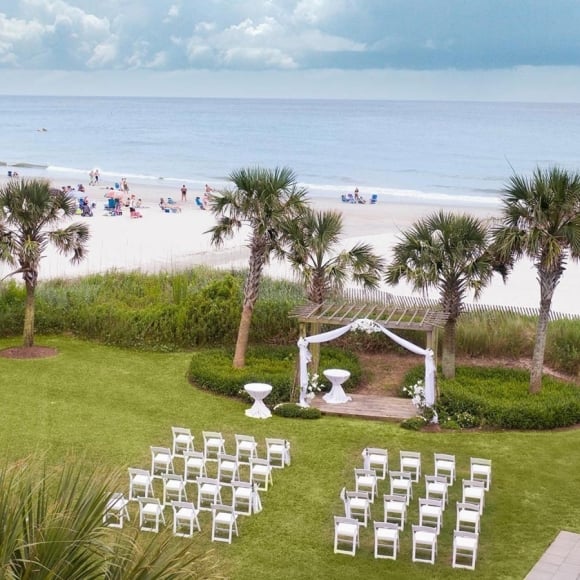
{"x": 369, "y": 407}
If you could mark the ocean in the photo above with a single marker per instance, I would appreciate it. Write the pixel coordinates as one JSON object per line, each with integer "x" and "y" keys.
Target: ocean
{"x": 444, "y": 153}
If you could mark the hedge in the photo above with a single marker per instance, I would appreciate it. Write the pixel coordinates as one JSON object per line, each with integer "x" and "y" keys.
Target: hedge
{"x": 212, "y": 369}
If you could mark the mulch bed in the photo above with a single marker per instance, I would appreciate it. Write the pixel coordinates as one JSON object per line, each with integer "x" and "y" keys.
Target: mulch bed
{"x": 28, "y": 352}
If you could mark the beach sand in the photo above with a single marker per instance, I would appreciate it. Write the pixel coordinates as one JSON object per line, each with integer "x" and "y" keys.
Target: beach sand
{"x": 168, "y": 241}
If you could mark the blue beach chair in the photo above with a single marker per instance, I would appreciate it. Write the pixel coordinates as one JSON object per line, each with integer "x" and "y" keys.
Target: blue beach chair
{"x": 374, "y": 198}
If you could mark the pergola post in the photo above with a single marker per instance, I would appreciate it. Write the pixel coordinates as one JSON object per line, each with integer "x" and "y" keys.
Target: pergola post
{"x": 432, "y": 336}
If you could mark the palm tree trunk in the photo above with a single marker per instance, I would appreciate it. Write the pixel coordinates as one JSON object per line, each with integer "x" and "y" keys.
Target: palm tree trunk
{"x": 448, "y": 354}
{"x": 251, "y": 290}
{"x": 243, "y": 337}
{"x": 28, "y": 333}
{"x": 548, "y": 283}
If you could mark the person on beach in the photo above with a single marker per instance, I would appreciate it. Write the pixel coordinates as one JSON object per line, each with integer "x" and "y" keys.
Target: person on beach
{"x": 208, "y": 189}
{"x": 125, "y": 186}
{"x": 183, "y": 193}
{"x": 357, "y": 197}
{"x": 96, "y": 176}
{"x": 91, "y": 177}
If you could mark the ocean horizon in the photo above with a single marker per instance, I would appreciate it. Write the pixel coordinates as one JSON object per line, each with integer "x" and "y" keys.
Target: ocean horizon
{"x": 436, "y": 152}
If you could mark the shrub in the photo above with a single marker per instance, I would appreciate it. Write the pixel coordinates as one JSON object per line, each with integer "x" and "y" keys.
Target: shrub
{"x": 414, "y": 423}
{"x": 563, "y": 346}
{"x": 212, "y": 369}
{"x": 499, "y": 398}
{"x": 294, "y": 411}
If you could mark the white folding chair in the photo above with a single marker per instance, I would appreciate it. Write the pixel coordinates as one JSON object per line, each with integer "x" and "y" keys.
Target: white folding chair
{"x": 474, "y": 492}
{"x": 436, "y": 487}
{"x": 468, "y": 516}
{"x": 346, "y": 534}
{"x": 150, "y": 514}
{"x": 185, "y": 520}
{"x": 227, "y": 468}
{"x": 464, "y": 549}
{"x": 395, "y": 509}
{"x": 194, "y": 462}
{"x": 377, "y": 459}
{"x": 140, "y": 483}
{"x": 357, "y": 505}
{"x": 445, "y": 465}
{"x": 161, "y": 461}
{"x": 246, "y": 448}
{"x": 366, "y": 480}
{"x": 424, "y": 544}
{"x": 387, "y": 539}
{"x": 208, "y": 493}
{"x": 182, "y": 441}
{"x": 245, "y": 498}
{"x": 411, "y": 463}
{"x": 224, "y": 523}
{"x": 261, "y": 473}
{"x": 213, "y": 445}
{"x": 481, "y": 471}
{"x": 116, "y": 511}
{"x": 401, "y": 484}
{"x": 278, "y": 452}
{"x": 431, "y": 513}
{"x": 173, "y": 488}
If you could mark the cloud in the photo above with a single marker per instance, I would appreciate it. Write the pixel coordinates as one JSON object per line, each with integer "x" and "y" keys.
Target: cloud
{"x": 288, "y": 34}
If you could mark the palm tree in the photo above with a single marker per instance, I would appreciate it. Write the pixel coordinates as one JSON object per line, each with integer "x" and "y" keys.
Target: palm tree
{"x": 541, "y": 220}
{"x": 30, "y": 212}
{"x": 448, "y": 252}
{"x": 263, "y": 200}
{"x": 313, "y": 243}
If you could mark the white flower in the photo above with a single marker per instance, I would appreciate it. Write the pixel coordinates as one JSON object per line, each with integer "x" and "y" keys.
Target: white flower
{"x": 313, "y": 385}
{"x": 365, "y": 325}
{"x": 417, "y": 394}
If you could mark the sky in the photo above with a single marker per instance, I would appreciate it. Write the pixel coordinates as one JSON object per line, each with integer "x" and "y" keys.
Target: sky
{"x": 522, "y": 50}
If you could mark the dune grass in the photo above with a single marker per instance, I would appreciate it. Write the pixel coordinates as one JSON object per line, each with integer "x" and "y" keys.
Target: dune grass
{"x": 109, "y": 405}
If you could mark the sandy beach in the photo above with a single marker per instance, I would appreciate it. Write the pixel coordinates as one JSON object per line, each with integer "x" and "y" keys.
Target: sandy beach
{"x": 165, "y": 241}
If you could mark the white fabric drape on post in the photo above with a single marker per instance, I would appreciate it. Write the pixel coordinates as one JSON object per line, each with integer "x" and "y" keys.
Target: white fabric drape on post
{"x": 306, "y": 357}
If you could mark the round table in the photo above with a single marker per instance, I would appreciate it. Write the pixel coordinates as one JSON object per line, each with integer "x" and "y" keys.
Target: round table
{"x": 336, "y": 394}
{"x": 258, "y": 392}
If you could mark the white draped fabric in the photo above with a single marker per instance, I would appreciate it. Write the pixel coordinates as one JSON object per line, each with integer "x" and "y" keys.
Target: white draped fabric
{"x": 306, "y": 357}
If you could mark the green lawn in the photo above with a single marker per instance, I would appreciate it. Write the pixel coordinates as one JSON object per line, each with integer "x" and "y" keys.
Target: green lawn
{"x": 109, "y": 405}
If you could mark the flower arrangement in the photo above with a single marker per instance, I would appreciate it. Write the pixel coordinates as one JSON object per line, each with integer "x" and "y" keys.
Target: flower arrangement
{"x": 313, "y": 385}
{"x": 416, "y": 393}
{"x": 365, "y": 325}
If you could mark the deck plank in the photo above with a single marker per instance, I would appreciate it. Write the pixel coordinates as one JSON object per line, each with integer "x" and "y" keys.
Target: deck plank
{"x": 369, "y": 407}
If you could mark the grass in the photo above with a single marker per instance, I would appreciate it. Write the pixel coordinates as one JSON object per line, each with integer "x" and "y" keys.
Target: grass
{"x": 109, "y": 405}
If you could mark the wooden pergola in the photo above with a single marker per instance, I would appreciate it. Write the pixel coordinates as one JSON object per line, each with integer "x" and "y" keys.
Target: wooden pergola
{"x": 392, "y": 312}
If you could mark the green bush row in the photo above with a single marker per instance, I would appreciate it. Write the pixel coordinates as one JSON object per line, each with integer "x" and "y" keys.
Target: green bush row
{"x": 294, "y": 411}
{"x": 499, "y": 398}
{"x": 276, "y": 365}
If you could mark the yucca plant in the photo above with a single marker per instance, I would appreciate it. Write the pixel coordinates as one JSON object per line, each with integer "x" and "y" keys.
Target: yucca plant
{"x": 51, "y": 527}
